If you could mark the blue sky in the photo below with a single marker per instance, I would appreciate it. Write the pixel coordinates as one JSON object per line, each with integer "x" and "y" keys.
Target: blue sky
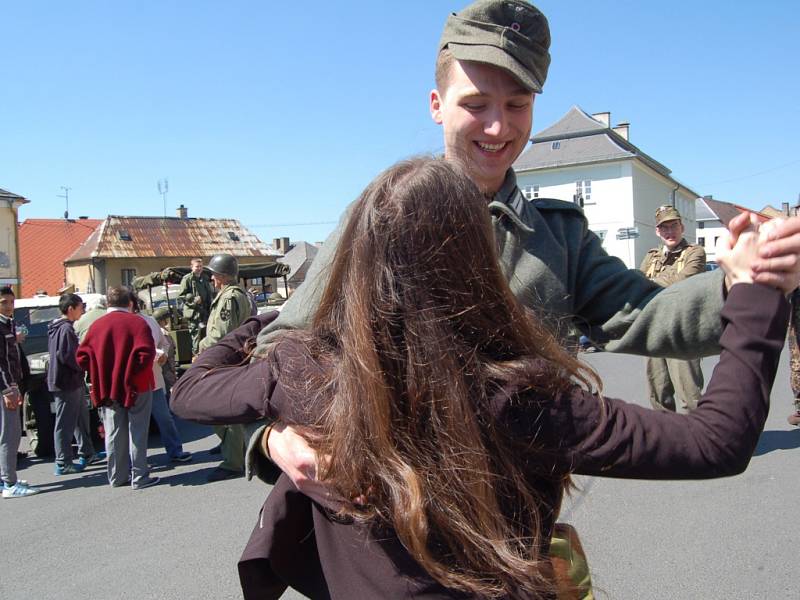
{"x": 279, "y": 113}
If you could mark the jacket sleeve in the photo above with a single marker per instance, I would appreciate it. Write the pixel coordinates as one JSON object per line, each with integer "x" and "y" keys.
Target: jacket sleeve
{"x": 6, "y": 377}
{"x": 298, "y": 310}
{"x": 223, "y": 386}
{"x": 615, "y": 439}
{"x": 67, "y": 350}
{"x": 695, "y": 264}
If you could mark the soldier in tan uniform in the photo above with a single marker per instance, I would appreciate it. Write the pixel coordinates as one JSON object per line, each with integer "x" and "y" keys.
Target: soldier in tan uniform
{"x": 676, "y": 260}
{"x": 229, "y": 309}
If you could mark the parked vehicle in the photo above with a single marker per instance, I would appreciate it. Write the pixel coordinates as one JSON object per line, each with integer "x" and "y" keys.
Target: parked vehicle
{"x": 32, "y": 316}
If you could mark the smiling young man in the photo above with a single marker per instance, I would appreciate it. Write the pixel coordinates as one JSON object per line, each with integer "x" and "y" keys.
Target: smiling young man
{"x": 674, "y": 261}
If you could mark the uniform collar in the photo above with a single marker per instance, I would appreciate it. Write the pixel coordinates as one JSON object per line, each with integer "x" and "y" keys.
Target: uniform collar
{"x": 681, "y": 245}
{"x": 5, "y": 320}
{"x": 509, "y": 201}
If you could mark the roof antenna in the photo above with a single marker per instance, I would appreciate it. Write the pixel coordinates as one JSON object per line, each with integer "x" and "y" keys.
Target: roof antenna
{"x": 65, "y": 195}
{"x": 163, "y": 188}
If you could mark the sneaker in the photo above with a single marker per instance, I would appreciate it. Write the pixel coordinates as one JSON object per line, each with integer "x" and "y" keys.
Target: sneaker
{"x": 145, "y": 482}
{"x": 18, "y": 491}
{"x": 794, "y": 418}
{"x": 69, "y": 468}
{"x": 92, "y": 460}
{"x": 181, "y": 457}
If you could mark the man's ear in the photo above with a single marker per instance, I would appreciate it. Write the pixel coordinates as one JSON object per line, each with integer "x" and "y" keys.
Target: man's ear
{"x": 436, "y": 106}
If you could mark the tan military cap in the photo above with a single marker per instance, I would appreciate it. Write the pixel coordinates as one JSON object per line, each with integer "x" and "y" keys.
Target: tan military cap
{"x": 666, "y": 213}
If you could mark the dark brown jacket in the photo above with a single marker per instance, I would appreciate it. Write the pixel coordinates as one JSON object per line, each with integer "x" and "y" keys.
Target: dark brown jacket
{"x": 295, "y": 543}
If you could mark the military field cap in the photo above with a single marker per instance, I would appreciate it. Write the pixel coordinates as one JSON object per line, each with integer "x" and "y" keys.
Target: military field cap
{"x": 510, "y": 34}
{"x": 161, "y": 313}
{"x": 666, "y": 213}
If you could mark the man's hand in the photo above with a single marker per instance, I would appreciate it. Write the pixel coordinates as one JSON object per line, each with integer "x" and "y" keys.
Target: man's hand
{"x": 289, "y": 450}
{"x": 12, "y": 399}
{"x": 737, "y": 261}
{"x": 198, "y": 301}
{"x": 778, "y": 263}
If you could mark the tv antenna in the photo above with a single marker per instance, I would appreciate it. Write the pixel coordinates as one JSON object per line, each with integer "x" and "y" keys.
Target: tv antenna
{"x": 163, "y": 188}
{"x": 65, "y": 195}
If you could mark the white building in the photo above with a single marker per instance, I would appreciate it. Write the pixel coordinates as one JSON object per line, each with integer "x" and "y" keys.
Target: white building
{"x": 582, "y": 159}
{"x": 713, "y": 217}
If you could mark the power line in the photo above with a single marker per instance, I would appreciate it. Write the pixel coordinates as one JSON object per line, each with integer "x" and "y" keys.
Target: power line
{"x": 794, "y": 162}
{"x": 292, "y": 224}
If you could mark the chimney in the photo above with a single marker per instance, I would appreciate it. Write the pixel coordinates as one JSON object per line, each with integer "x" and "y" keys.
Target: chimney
{"x": 603, "y": 117}
{"x": 182, "y": 212}
{"x": 82, "y": 218}
{"x": 284, "y": 245}
{"x": 708, "y": 197}
{"x": 623, "y": 129}
{"x": 785, "y": 208}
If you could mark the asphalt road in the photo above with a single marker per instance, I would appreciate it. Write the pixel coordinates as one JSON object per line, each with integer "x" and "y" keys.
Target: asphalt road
{"x": 730, "y": 538}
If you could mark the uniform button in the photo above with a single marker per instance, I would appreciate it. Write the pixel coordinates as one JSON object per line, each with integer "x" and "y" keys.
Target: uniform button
{"x": 515, "y": 26}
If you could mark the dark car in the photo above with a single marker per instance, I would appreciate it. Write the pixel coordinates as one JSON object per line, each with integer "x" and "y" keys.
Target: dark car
{"x": 32, "y": 316}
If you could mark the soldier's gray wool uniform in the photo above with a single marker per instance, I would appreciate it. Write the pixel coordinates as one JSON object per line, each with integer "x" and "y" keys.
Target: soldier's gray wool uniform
{"x": 668, "y": 377}
{"x": 196, "y": 313}
{"x": 558, "y": 267}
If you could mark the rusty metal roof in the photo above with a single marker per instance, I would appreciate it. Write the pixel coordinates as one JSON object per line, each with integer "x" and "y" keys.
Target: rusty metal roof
{"x": 146, "y": 237}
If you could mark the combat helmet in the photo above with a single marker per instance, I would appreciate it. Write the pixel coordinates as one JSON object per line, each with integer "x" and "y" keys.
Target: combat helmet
{"x": 224, "y": 264}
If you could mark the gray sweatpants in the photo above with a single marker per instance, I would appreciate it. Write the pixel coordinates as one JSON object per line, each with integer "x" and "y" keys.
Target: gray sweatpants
{"x": 10, "y": 435}
{"x": 69, "y": 408}
{"x": 126, "y": 440}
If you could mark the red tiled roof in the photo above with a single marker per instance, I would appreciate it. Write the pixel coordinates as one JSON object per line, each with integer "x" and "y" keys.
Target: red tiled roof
{"x": 44, "y": 244}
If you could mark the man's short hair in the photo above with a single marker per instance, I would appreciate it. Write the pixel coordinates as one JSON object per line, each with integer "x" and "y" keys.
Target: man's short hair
{"x": 118, "y": 296}
{"x": 6, "y": 291}
{"x": 195, "y": 260}
{"x": 444, "y": 64}
{"x": 68, "y": 301}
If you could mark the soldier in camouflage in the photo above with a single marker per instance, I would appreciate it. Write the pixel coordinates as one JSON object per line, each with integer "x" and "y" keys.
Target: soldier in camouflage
{"x": 674, "y": 261}
{"x": 794, "y": 357}
{"x": 229, "y": 309}
{"x": 197, "y": 294}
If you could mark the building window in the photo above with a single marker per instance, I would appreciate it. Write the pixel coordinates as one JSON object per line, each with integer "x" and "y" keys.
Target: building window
{"x": 128, "y": 275}
{"x": 716, "y": 241}
{"x": 601, "y": 233}
{"x": 583, "y": 190}
{"x": 530, "y": 192}
{"x": 555, "y": 145}
{"x": 701, "y": 224}
{"x": 701, "y": 241}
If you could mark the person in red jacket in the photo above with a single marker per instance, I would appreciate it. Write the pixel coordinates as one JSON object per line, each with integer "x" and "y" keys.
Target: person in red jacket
{"x": 118, "y": 352}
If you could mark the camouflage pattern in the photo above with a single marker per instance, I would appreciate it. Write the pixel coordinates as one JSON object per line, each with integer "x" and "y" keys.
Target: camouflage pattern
{"x": 570, "y": 567}
{"x": 794, "y": 348}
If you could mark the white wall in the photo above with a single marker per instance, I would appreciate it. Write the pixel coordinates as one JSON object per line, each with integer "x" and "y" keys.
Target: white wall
{"x": 624, "y": 194}
{"x": 710, "y": 232}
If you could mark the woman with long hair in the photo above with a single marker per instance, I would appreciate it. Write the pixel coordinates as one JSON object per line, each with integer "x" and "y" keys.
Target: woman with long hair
{"x": 448, "y": 416}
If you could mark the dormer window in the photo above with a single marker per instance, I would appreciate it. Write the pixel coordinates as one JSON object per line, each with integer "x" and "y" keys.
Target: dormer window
{"x": 556, "y": 145}
{"x": 124, "y": 235}
{"x": 233, "y": 237}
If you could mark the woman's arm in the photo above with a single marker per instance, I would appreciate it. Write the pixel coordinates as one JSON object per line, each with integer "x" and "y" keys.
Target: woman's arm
{"x": 222, "y": 387}
{"x": 716, "y": 439}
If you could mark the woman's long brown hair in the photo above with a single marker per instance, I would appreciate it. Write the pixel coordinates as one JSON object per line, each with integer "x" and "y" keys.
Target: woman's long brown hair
{"x": 417, "y": 328}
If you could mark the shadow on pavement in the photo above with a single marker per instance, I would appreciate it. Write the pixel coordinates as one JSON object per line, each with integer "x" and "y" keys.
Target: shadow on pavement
{"x": 777, "y": 440}
{"x": 94, "y": 476}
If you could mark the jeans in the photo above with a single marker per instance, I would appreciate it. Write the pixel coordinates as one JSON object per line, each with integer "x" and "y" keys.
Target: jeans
{"x": 126, "y": 440}
{"x": 166, "y": 424}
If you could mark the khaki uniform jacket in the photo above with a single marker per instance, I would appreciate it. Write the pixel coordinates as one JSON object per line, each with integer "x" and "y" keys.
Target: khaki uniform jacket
{"x": 228, "y": 310}
{"x": 666, "y": 267}
{"x": 190, "y": 288}
{"x": 558, "y": 267}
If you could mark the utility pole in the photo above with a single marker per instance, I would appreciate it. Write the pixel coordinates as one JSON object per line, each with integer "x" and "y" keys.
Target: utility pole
{"x": 65, "y": 195}
{"x": 163, "y": 188}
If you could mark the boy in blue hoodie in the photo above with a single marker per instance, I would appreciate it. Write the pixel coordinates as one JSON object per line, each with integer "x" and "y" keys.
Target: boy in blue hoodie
{"x": 65, "y": 381}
